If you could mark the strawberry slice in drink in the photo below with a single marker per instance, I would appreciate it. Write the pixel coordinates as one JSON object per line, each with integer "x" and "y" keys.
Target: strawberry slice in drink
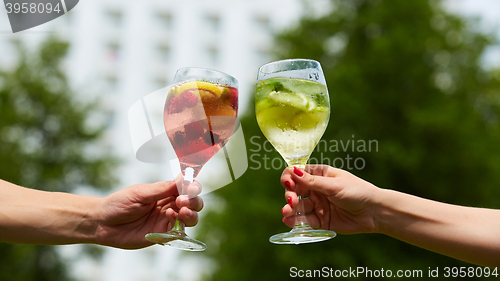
{"x": 175, "y": 105}
{"x": 189, "y": 99}
{"x": 200, "y": 119}
{"x": 193, "y": 130}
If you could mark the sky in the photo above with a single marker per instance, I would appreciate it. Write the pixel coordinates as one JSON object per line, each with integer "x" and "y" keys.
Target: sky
{"x": 488, "y": 13}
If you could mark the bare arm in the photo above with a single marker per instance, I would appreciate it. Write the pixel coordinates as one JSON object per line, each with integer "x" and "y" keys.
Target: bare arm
{"x": 121, "y": 219}
{"x": 464, "y": 233}
{"x": 38, "y": 217}
{"x": 342, "y": 202}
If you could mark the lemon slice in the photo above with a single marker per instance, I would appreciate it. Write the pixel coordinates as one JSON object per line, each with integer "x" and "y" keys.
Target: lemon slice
{"x": 202, "y": 85}
{"x": 263, "y": 104}
{"x": 276, "y": 116}
{"x": 297, "y": 100}
{"x": 309, "y": 120}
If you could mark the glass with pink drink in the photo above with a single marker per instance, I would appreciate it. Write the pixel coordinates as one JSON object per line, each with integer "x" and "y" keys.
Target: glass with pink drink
{"x": 199, "y": 118}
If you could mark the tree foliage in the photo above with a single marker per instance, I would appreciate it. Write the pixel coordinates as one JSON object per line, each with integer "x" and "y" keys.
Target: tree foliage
{"x": 45, "y": 145}
{"x": 406, "y": 74}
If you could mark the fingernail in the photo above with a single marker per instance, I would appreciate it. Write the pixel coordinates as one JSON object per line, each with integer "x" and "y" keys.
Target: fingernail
{"x": 289, "y": 200}
{"x": 298, "y": 172}
{"x": 282, "y": 211}
{"x": 287, "y": 183}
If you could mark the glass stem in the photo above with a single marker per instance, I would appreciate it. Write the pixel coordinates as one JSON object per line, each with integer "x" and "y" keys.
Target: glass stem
{"x": 300, "y": 217}
{"x": 179, "y": 226}
{"x": 187, "y": 179}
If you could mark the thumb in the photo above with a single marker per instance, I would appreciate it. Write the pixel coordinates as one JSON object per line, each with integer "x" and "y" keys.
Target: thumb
{"x": 319, "y": 183}
{"x": 149, "y": 193}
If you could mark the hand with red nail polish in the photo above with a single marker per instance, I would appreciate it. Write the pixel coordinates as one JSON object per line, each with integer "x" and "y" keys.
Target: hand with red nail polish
{"x": 322, "y": 185}
{"x": 337, "y": 200}
{"x": 298, "y": 172}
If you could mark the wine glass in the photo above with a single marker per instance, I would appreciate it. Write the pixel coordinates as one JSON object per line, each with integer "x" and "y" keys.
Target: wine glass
{"x": 199, "y": 118}
{"x": 292, "y": 107}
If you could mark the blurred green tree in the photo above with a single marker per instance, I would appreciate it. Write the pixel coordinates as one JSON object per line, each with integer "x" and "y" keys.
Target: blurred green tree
{"x": 46, "y": 140}
{"x": 405, "y": 74}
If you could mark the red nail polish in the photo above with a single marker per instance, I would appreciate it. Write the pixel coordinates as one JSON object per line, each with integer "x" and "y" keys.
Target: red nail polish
{"x": 298, "y": 172}
{"x": 282, "y": 211}
{"x": 287, "y": 183}
{"x": 289, "y": 200}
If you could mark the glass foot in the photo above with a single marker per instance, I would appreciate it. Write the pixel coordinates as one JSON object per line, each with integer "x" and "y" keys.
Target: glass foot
{"x": 302, "y": 236}
{"x": 177, "y": 240}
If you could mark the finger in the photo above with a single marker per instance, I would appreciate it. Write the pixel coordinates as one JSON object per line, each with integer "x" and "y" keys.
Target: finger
{"x": 323, "y": 170}
{"x": 189, "y": 217}
{"x": 291, "y": 198}
{"x": 312, "y": 220}
{"x": 149, "y": 193}
{"x": 179, "y": 180}
{"x": 316, "y": 170}
{"x": 195, "y": 203}
{"x": 286, "y": 180}
{"x": 171, "y": 215}
{"x": 293, "y": 201}
{"x": 194, "y": 189}
{"x": 288, "y": 211}
{"x": 289, "y": 221}
{"x": 184, "y": 187}
{"x": 307, "y": 181}
{"x": 168, "y": 202}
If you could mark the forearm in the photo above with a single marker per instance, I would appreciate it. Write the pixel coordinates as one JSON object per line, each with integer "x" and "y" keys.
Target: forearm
{"x": 465, "y": 233}
{"x": 39, "y": 217}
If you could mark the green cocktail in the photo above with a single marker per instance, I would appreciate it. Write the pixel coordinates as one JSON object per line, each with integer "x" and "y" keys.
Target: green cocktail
{"x": 293, "y": 108}
{"x": 293, "y": 115}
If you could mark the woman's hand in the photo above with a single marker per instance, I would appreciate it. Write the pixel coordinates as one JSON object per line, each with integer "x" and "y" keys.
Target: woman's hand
{"x": 335, "y": 199}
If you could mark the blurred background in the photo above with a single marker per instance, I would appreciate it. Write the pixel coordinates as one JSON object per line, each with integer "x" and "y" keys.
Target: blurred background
{"x": 421, "y": 79}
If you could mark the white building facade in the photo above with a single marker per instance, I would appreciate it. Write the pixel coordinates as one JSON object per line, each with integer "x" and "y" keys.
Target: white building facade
{"x": 121, "y": 51}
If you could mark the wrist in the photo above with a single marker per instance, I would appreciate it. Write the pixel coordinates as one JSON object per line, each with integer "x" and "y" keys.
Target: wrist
{"x": 87, "y": 219}
{"x": 383, "y": 200}
{"x": 397, "y": 212}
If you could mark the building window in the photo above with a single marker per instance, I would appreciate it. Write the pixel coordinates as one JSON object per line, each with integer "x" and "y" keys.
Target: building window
{"x": 165, "y": 19}
{"x": 163, "y": 50}
{"x": 111, "y": 81}
{"x": 213, "y": 52}
{"x": 213, "y": 21}
{"x": 262, "y": 21}
{"x": 115, "y": 16}
{"x": 113, "y": 51}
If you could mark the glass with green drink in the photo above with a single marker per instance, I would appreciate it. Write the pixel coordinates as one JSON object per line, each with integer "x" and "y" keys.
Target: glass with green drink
{"x": 292, "y": 107}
